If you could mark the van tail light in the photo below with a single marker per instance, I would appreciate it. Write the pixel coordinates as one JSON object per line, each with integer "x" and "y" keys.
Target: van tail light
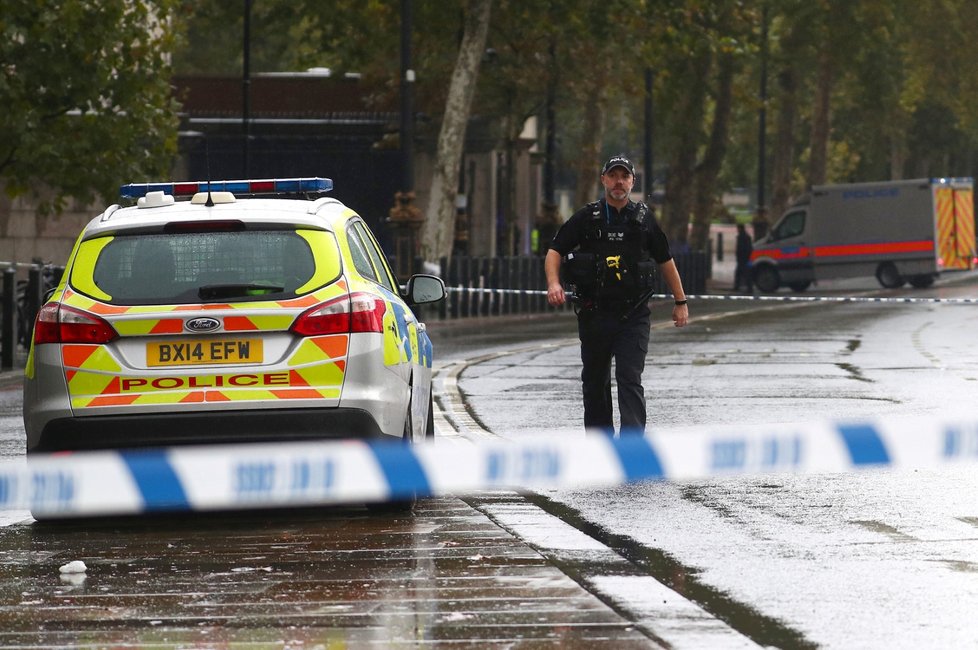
{"x": 57, "y": 323}
{"x": 357, "y": 312}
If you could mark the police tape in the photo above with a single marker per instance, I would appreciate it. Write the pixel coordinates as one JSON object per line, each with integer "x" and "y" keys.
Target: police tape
{"x": 295, "y": 474}
{"x": 736, "y": 297}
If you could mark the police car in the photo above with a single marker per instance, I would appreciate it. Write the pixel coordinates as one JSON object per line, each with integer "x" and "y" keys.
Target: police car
{"x": 251, "y": 312}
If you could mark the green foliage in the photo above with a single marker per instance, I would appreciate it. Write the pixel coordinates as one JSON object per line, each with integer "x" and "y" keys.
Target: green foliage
{"x": 896, "y": 67}
{"x": 86, "y": 97}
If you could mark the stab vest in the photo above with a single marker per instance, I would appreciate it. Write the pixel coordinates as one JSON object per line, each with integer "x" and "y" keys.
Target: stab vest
{"x": 612, "y": 265}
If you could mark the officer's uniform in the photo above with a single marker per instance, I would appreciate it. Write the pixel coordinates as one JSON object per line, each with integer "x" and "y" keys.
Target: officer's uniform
{"x": 608, "y": 259}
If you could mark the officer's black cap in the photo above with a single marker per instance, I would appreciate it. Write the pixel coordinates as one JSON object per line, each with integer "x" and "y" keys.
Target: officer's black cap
{"x": 618, "y": 161}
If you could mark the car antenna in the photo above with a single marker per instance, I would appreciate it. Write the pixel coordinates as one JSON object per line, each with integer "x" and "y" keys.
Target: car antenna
{"x": 207, "y": 161}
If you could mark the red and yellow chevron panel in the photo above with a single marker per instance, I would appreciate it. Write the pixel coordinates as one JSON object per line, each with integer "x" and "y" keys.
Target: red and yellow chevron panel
{"x": 955, "y": 227}
{"x": 316, "y": 370}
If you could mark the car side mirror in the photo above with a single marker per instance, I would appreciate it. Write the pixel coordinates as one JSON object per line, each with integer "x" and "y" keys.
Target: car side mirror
{"x": 422, "y": 289}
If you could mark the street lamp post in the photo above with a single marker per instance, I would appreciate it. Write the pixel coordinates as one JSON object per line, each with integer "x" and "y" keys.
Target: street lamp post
{"x": 246, "y": 90}
{"x": 647, "y": 169}
{"x": 760, "y": 219}
{"x": 405, "y": 218}
{"x": 407, "y": 100}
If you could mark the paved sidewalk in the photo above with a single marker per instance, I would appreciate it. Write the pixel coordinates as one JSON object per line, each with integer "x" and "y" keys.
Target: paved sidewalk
{"x": 15, "y": 374}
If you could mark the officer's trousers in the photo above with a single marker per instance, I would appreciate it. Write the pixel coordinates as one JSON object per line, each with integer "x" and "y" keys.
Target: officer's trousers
{"x": 604, "y": 336}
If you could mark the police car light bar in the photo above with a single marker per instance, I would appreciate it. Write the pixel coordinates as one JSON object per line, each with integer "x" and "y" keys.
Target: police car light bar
{"x": 237, "y": 187}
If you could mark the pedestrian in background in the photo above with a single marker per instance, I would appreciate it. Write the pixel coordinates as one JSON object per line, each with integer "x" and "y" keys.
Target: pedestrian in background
{"x": 609, "y": 251}
{"x": 742, "y": 272}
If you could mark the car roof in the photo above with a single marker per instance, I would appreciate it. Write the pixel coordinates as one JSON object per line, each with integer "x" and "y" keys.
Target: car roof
{"x": 322, "y": 214}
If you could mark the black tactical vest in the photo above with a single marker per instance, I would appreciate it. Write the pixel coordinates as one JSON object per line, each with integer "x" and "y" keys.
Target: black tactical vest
{"x": 612, "y": 267}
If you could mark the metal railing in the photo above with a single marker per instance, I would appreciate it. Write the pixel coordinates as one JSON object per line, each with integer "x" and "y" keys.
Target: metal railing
{"x": 478, "y": 287}
{"x": 500, "y": 286}
{"x": 20, "y": 303}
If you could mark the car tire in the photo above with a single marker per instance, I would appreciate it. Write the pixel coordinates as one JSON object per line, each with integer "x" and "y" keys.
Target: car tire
{"x": 404, "y": 505}
{"x": 799, "y": 287}
{"x": 429, "y": 427}
{"x": 888, "y": 276}
{"x": 921, "y": 281}
{"x": 766, "y": 278}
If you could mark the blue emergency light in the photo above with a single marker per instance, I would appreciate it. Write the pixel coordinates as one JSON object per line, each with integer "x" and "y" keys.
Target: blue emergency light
{"x": 237, "y": 187}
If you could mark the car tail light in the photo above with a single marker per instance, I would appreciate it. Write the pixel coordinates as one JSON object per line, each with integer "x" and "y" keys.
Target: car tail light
{"x": 367, "y": 313}
{"x": 358, "y": 312}
{"x": 57, "y": 323}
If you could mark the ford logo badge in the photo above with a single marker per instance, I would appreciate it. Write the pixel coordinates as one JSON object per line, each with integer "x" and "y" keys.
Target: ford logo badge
{"x": 202, "y": 324}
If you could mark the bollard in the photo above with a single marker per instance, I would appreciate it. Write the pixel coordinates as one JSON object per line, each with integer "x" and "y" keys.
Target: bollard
{"x": 719, "y": 247}
{"x": 8, "y": 336}
{"x": 33, "y": 299}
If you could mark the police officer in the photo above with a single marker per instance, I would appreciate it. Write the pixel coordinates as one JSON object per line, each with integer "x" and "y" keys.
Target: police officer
{"x": 607, "y": 250}
{"x": 742, "y": 272}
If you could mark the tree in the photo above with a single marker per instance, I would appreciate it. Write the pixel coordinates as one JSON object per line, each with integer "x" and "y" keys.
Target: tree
{"x": 860, "y": 91}
{"x": 683, "y": 93}
{"x": 521, "y": 34}
{"x": 85, "y": 90}
{"x": 733, "y": 26}
{"x": 793, "y": 56}
{"x": 439, "y": 226}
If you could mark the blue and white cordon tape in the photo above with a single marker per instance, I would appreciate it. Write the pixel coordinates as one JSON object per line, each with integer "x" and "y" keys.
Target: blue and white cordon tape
{"x": 352, "y": 471}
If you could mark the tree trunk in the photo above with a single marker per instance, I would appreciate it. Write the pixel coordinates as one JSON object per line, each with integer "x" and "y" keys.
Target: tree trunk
{"x": 588, "y": 164}
{"x": 689, "y": 123}
{"x": 709, "y": 169}
{"x": 818, "y": 169}
{"x": 438, "y": 231}
{"x": 508, "y": 245}
{"x": 898, "y": 156}
{"x": 784, "y": 145}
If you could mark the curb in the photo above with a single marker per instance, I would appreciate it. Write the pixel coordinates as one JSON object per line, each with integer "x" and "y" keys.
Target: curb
{"x": 12, "y": 377}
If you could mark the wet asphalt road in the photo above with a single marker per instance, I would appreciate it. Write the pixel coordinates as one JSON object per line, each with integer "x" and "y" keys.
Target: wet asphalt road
{"x": 445, "y": 577}
{"x": 876, "y": 559}
{"x": 459, "y": 573}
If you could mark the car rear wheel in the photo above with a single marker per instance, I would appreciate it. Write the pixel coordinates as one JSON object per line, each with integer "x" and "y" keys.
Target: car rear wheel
{"x": 404, "y": 504}
{"x": 429, "y": 429}
{"x": 921, "y": 281}
{"x": 888, "y": 276}
{"x": 798, "y": 287}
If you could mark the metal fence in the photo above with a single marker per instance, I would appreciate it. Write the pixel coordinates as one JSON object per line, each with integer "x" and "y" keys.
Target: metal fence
{"x": 20, "y": 302}
{"x": 477, "y": 287}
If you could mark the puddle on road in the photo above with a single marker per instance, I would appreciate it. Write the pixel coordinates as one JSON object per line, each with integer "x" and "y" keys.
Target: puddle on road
{"x": 333, "y": 577}
{"x": 854, "y": 372}
{"x": 884, "y": 529}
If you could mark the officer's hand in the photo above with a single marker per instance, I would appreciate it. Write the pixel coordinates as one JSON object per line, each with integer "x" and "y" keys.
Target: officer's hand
{"x": 555, "y": 295}
{"x": 680, "y": 315}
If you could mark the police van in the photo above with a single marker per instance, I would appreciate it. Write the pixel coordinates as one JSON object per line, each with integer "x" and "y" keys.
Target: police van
{"x": 899, "y": 231}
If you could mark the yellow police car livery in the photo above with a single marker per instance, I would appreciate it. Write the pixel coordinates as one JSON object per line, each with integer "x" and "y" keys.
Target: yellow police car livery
{"x": 248, "y": 313}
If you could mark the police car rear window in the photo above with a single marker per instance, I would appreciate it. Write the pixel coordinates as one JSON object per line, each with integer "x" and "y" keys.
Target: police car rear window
{"x": 193, "y": 267}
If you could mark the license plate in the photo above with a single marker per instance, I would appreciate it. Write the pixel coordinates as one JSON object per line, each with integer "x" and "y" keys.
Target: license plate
{"x": 203, "y": 352}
